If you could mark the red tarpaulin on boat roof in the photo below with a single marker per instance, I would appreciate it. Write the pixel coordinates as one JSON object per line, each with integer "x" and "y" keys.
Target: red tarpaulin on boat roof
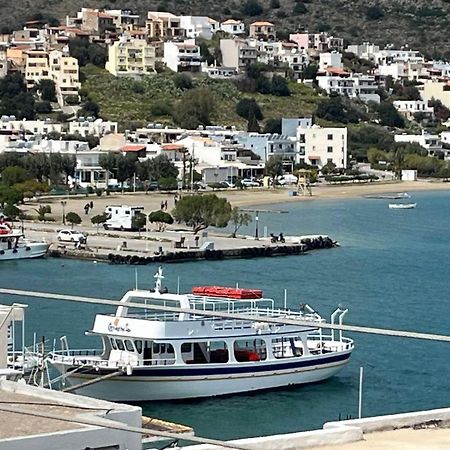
{"x": 234, "y": 293}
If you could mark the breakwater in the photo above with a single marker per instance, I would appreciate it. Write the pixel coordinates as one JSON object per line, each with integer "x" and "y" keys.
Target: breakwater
{"x": 271, "y": 250}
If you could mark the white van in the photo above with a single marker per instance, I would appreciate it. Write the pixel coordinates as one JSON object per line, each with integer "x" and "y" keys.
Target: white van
{"x": 121, "y": 217}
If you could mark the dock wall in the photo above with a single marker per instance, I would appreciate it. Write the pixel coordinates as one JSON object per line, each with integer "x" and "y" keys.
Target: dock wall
{"x": 270, "y": 250}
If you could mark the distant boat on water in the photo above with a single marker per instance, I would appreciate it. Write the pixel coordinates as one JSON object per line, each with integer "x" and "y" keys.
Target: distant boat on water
{"x": 397, "y": 196}
{"x": 402, "y": 205}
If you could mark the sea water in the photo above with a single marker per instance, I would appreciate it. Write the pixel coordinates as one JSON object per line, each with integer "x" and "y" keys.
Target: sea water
{"x": 392, "y": 271}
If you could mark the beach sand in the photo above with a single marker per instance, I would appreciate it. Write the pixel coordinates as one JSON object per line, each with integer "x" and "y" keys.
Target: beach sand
{"x": 241, "y": 198}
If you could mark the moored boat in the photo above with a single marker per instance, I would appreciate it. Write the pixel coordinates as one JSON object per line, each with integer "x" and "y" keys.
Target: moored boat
{"x": 402, "y": 205}
{"x": 149, "y": 354}
{"x": 13, "y": 244}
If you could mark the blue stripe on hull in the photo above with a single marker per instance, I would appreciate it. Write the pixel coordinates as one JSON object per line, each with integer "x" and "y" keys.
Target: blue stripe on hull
{"x": 223, "y": 370}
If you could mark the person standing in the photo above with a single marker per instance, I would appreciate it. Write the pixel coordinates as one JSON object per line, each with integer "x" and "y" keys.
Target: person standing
{"x": 86, "y": 208}
{"x": 91, "y": 204}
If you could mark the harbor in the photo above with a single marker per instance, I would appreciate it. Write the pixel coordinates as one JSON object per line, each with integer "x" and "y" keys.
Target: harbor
{"x": 373, "y": 274}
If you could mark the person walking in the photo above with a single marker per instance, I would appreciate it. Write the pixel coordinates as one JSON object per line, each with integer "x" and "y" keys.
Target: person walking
{"x": 165, "y": 205}
{"x": 91, "y": 204}
{"x": 86, "y": 208}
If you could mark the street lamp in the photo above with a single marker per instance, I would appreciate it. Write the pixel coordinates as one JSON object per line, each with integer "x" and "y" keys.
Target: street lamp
{"x": 256, "y": 225}
{"x": 63, "y": 204}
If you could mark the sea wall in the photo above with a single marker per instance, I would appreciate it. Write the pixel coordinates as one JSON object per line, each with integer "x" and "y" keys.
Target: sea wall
{"x": 270, "y": 250}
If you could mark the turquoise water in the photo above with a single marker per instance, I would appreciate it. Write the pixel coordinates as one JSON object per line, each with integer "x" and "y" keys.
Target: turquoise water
{"x": 391, "y": 271}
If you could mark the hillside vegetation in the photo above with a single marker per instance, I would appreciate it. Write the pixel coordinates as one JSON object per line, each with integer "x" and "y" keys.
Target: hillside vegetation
{"x": 421, "y": 25}
{"x": 153, "y": 99}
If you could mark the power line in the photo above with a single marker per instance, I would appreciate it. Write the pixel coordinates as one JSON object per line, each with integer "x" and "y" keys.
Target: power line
{"x": 225, "y": 315}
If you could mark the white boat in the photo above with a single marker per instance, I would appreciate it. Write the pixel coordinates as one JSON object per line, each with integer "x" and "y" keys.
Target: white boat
{"x": 154, "y": 355}
{"x": 402, "y": 205}
{"x": 13, "y": 244}
{"x": 397, "y": 196}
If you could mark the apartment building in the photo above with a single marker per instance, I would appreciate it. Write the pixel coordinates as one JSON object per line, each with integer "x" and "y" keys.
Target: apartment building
{"x": 131, "y": 57}
{"x": 318, "y": 146}
{"x": 164, "y": 25}
{"x": 262, "y": 30}
{"x": 409, "y": 108}
{"x": 36, "y": 67}
{"x": 330, "y": 59}
{"x": 64, "y": 72}
{"x": 237, "y": 53}
{"x": 96, "y": 22}
{"x": 317, "y": 42}
{"x": 430, "y": 142}
{"x": 123, "y": 19}
{"x": 437, "y": 90}
{"x": 356, "y": 85}
{"x": 365, "y": 50}
{"x": 182, "y": 56}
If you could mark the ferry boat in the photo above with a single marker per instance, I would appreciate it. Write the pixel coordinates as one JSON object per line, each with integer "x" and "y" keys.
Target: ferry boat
{"x": 149, "y": 354}
{"x": 13, "y": 244}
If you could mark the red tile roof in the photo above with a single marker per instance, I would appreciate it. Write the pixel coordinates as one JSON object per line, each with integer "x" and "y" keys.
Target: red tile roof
{"x": 133, "y": 148}
{"x": 169, "y": 147}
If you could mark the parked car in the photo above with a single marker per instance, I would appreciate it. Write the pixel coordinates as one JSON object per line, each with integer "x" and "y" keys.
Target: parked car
{"x": 250, "y": 182}
{"x": 287, "y": 179}
{"x": 71, "y": 236}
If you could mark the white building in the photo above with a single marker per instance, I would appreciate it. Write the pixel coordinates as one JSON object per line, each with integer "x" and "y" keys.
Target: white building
{"x": 232, "y": 26}
{"x": 182, "y": 56}
{"x": 365, "y": 51}
{"x": 445, "y": 137}
{"x": 318, "y": 146}
{"x": 430, "y": 142}
{"x": 33, "y": 127}
{"x": 198, "y": 26}
{"x": 64, "y": 72}
{"x": 91, "y": 126}
{"x": 330, "y": 59}
{"x": 289, "y": 125}
{"x": 354, "y": 85}
{"x": 219, "y": 73}
{"x": 410, "y": 107}
{"x": 124, "y": 19}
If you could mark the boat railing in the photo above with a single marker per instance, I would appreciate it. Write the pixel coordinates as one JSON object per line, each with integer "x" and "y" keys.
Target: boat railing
{"x": 330, "y": 343}
{"x": 74, "y": 357}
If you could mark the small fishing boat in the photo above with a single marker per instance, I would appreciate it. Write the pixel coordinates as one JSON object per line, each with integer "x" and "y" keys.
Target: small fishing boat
{"x": 397, "y": 196}
{"x": 213, "y": 341}
{"x": 13, "y": 244}
{"x": 402, "y": 205}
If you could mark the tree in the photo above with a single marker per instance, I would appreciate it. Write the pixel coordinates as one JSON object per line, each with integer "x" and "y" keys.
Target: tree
{"x": 46, "y": 89}
{"x": 195, "y": 108}
{"x": 374, "y": 12}
{"x": 299, "y": 8}
{"x": 203, "y": 211}
{"x": 29, "y": 188}
{"x": 161, "y": 218}
{"x": 389, "y": 116}
{"x": 398, "y": 163}
{"x": 247, "y": 105}
{"x": 336, "y": 110}
{"x": 441, "y": 112}
{"x": 126, "y": 167}
{"x": 280, "y": 86}
{"x": 275, "y": 4}
{"x": 310, "y": 72}
{"x": 274, "y": 167}
{"x": 168, "y": 183}
{"x": 238, "y": 219}
{"x": 251, "y": 8}
{"x": 99, "y": 219}
{"x": 89, "y": 109}
{"x": 9, "y": 195}
{"x": 182, "y": 81}
{"x": 138, "y": 222}
{"x": 42, "y": 211}
{"x": 108, "y": 162}
{"x": 73, "y": 218}
{"x": 13, "y": 175}
{"x": 272, "y": 126}
{"x": 68, "y": 165}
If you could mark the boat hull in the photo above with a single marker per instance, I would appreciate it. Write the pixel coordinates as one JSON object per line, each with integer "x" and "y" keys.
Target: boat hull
{"x": 32, "y": 250}
{"x": 149, "y": 384}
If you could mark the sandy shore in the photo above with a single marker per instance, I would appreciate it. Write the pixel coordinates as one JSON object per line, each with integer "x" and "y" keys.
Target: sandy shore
{"x": 241, "y": 198}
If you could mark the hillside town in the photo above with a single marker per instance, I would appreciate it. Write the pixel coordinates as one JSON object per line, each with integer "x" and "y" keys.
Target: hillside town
{"x": 138, "y": 47}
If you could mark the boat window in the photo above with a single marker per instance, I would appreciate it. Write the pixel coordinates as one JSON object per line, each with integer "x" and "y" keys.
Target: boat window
{"x": 170, "y": 349}
{"x": 113, "y": 343}
{"x": 138, "y": 345}
{"x": 287, "y": 347}
{"x": 186, "y": 347}
{"x": 120, "y": 344}
{"x": 162, "y": 348}
{"x": 208, "y": 352}
{"x": 246, "y": 350}
{"x": 129, "y": 345}
{"x": 155, "y": 347}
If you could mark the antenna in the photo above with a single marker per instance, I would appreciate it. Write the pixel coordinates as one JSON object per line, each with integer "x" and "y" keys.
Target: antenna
{"x": 136, "y": 278}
